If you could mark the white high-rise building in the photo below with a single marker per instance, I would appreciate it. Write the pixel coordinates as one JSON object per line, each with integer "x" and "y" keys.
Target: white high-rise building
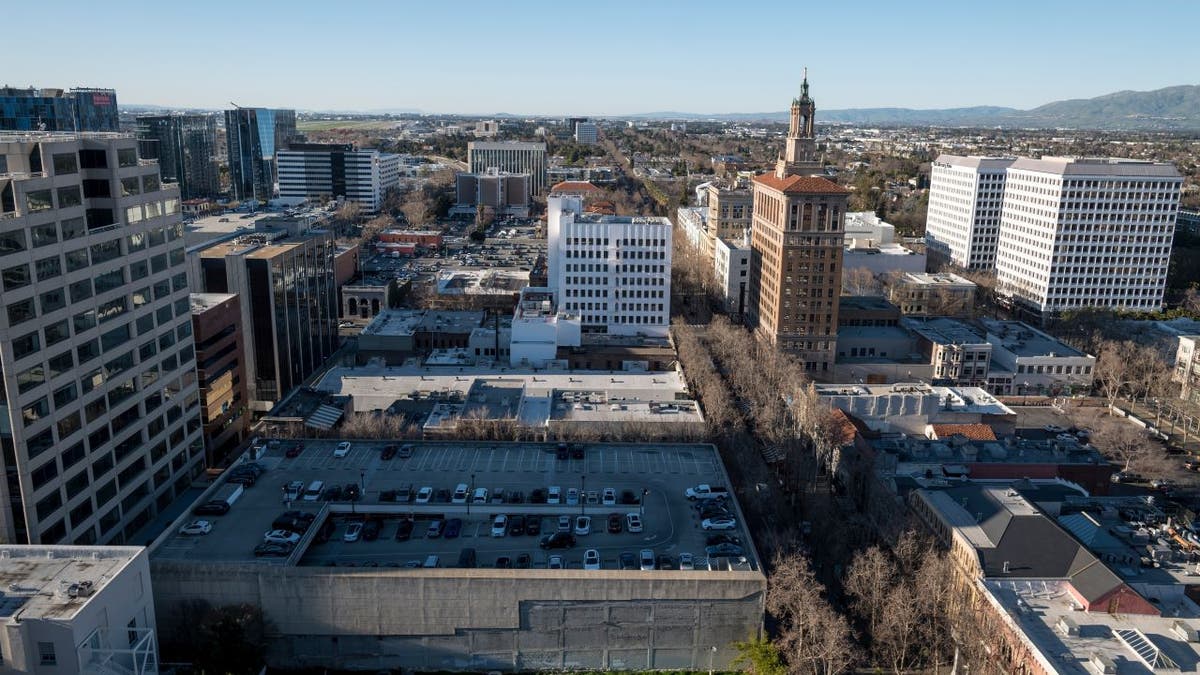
{"x": 510, "y": 157}
{"x": 965, "y": 195}
{"x": 1087, "y": 232}
{"x": 312, "y": 170}
{"x": 612, "y": 271}
{"x": 101, "y": 415}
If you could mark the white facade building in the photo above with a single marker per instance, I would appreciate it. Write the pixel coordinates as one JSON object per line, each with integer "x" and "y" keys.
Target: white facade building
{"x": 101, "y": 421}
{"x": 1087, "y": 232}
{"x": 693, "y": 220}
{"x": 586, "y": 133}
{"x": 965, "y": 196}
{"x": 77, "y": 609}
{"x": 731, "y": 265}
{"x": 613, "y": 271}
{"x": 311, "y": 171}
{"x": 539, "y": 329}
{"x": 510, "y": 157}
{"x": 1027, "y": 361}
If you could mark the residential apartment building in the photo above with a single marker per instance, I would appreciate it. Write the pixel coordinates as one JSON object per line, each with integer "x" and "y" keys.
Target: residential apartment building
{"x": 78, "y": 609}
{"x": 795, "y": 265}
{"x": 185, "y": 147}
{"x": 85, "y": 109}
{"x": 587, "y": 133}
{"x": 510, "y": 157}
{"x": 504, "y": 193}
{"x": 315, "y": 171}
{"x": 1086, "y": 232}
{"x": 253, "y": 136}
{"x": 613, "y": 271}
{"x": 289, "y": 305}
{"x": 731, "y": 265}
{"x": 939, "y": 294}
{"x": 221, "y": 369}
{"x": 965, "y": 197}
{"x": 102, "y": 426}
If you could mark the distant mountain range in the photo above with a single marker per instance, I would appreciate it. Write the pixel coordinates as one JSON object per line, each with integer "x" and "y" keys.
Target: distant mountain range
{"x": 1169, "y": 109}
{"x": 1172, "y": 108}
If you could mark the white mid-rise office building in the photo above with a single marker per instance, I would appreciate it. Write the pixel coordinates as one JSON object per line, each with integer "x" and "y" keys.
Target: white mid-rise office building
{"x": 510, "y": 157}
{"x": 1087, "y": 232}
{"x": 612, "y": 271}
{"x": 101, "y": 417}
{"x": 313, "y": 171}
{"x": 965, "y": 196}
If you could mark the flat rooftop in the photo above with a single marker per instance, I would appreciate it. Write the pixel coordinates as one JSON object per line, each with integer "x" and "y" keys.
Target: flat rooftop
{"x": 951, "y": 399}
{"x": 204, "y": 301}
{"x": 483, "y": 281}
{"x": 1024, "y": 340}
{"x": 944, "y": 331}
{"x": 944, "y": 279}
{"x": 1040, "y": 609}
{"x": 401, "y": 322}
{"x": 37, "y": 580}
{"x": 660, "y": 472}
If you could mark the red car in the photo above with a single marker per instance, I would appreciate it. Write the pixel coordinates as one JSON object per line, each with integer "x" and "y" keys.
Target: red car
{"x": 294, "y": 451}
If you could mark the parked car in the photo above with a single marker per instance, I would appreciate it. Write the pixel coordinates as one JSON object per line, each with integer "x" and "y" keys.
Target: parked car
{"x": 667, "y": 562}
{"x": 216, "y": 507}
{"x": 424, "y": 495}
{"x": 404, "y": 530}
{"x": 196, "y": 527}
{"x": 554, "y": 495}
{"x": 460, "y": 494}
{"x": 244, "y": 478}
{"x": 406, "y": 451}
{"x": 453, "y": 528}
{"x": 583, "y": 525}
{"x": 500, "y": 525}
{"x": 705, "y": 491}
{"x": 342, "y": 449}
{"x": 353, "y": 532}
{"x": 633, "y": 522}
{"x": 479, "y": 496}
{"x": 718, "y": 550}
{"x": 718, "y": 523}
{"x": 591, "y": 559}
{"x": 389, "y": 451}
{"x": 565, "y": 524}
{"x": 562, "y": 451}
{"x": 572, "y": 497}
{"x": 721, "y": 538}
{"x": 538, "y": 496}
{"x": 713, "y": 511}
{"x": 294, "y": 450}
{"x": 435, "y": 529}
{"x": 555, "y": 562}
{"x": 352, "y": 492}
{"x": 533, "y": 525}
{"x": 576, "y": 451}
{"x": 281, "y": 537}
{"x": 371, "y": 530}
{"x": 609, "y": 497}
{"x": 686, "y": 562}
{"x": 332, "y": 493}
{"x": 272, "y": 550}
{"x": 628, "y": 561}
{"x": 646, "y": 559}
{"x": 557, "y": 540}
{"x": 614, "y": 523}
{"x": 516, "y": 526}
{"x": 504, "y": 563}
{"x": 522, "y": 562}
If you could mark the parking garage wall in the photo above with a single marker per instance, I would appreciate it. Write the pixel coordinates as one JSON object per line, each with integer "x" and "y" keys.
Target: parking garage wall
{"x": 483, "y": 619}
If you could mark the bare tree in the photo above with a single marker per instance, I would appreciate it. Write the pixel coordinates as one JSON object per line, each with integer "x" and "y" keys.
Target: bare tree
{"x": 813, "y": 637}
{"x": 870, "y": 578}
{"x": 1126, "y": 443}
{"x": 861, "y": 281}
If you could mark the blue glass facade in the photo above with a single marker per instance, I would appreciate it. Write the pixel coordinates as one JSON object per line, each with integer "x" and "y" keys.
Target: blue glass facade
{"x": 56, "y": 110}
{"x": 253, "y": 135}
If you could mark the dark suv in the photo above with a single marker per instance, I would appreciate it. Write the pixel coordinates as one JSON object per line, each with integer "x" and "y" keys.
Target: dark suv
{"x": 557, "y": 540}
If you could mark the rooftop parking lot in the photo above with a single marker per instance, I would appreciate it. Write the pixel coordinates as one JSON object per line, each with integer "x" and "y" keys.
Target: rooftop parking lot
{"x": 647, "y": 480}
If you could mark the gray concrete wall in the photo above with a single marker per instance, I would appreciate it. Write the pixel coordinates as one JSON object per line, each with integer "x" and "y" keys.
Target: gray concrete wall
{"x": 485, "y": 619}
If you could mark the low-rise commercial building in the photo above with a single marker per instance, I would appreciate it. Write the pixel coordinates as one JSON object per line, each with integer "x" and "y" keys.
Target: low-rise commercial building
{"x": 1026, "y": 360}
{"x": 494, "y": 289}
{"x": 959, "y": 355}
{"x": 396, "y": 335}
{"x": 934, "y": 294}
{"x": 910, "y": 407}
{"x": 367, "y": 296}
{"x": 77, "y": 609}
{"x": 504, "y": 194}
{"x": 871, "y": 246}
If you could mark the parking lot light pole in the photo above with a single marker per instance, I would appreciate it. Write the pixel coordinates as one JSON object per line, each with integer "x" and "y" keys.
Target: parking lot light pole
{"x": 711, "y": 653}
{"x": 582, "y": 494}
{"x": 642, "y": 502}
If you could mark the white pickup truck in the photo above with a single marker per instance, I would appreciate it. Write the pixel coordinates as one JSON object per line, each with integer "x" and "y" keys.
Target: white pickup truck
{"x": 704, "y": 491}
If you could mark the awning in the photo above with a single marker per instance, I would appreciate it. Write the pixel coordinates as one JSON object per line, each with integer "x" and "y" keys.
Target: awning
{"x": 324, "y": 417}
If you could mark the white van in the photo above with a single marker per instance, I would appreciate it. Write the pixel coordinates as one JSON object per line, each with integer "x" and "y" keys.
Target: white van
{"x": 313, "y": 493}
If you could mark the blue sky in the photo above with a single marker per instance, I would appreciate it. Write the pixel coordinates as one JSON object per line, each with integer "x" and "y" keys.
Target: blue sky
{"x": 603, "y": 56}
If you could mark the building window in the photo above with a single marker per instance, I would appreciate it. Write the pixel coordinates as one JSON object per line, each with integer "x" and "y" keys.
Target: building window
{"x": 46, "y": 655}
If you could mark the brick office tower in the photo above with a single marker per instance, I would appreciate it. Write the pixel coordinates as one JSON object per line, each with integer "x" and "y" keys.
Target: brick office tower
{"x": 796, "y": 249}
